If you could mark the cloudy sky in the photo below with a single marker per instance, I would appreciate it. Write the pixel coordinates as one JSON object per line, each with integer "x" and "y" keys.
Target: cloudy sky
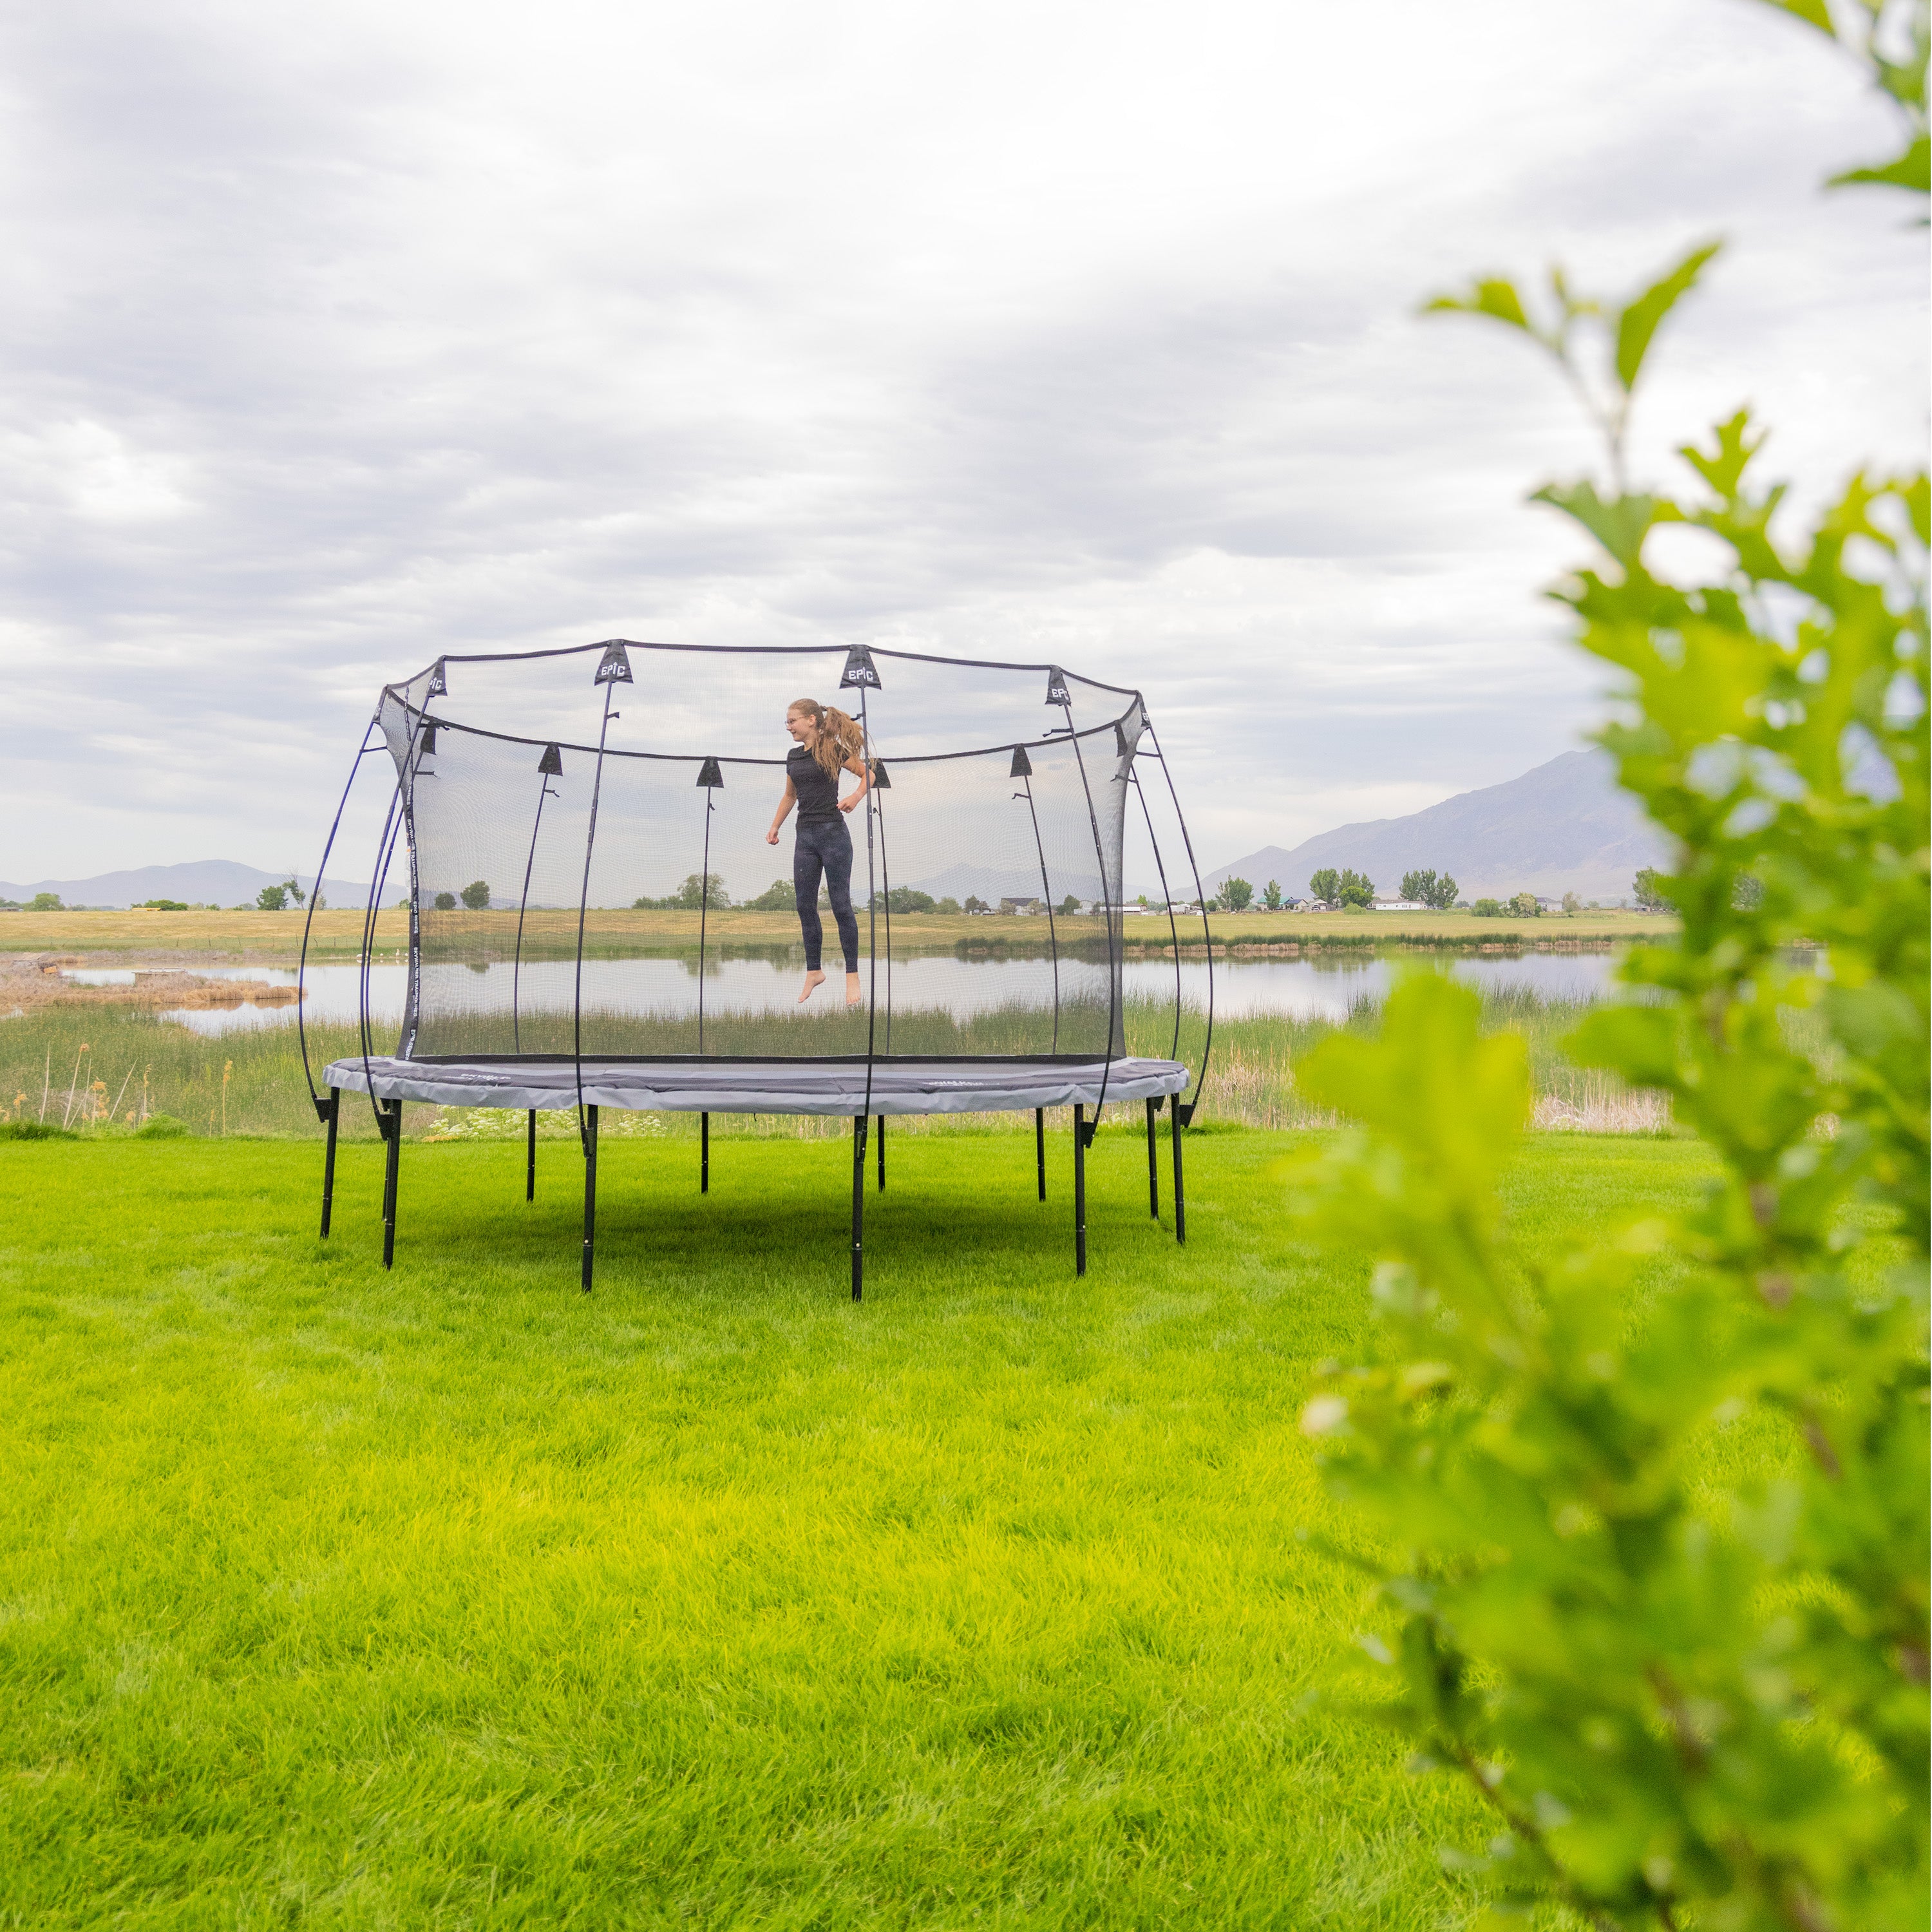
{"x": 339, "y": 336}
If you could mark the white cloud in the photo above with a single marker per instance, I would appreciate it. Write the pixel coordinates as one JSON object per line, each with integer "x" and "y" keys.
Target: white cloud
{"x": 338, "y": 339}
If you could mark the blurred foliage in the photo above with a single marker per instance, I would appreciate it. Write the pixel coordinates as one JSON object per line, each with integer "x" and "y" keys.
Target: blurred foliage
{"x": 1689, "y": 1698}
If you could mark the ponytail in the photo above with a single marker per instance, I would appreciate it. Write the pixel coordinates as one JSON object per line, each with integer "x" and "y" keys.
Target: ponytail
{"x": 840, "y": 739}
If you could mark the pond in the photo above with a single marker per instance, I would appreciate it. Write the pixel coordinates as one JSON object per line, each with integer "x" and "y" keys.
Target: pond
{"x": 1298, "y": 988}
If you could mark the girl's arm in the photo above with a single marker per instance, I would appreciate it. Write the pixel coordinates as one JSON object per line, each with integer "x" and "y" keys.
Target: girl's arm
{"x": 785, "y": 805}
{"x": 865, "y": 777}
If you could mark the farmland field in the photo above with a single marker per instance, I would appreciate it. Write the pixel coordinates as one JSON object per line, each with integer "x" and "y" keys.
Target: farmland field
{"x": 338, "y": 932}
{"x": 450, "y": 1597}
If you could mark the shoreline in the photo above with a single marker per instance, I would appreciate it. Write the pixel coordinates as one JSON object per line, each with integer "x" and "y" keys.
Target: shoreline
{"x": 108, "y": 940}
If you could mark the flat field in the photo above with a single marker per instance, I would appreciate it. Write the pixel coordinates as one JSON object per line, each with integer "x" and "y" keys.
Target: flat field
{"x": 268, "y": 936}
{"x": 452, "y": 1598}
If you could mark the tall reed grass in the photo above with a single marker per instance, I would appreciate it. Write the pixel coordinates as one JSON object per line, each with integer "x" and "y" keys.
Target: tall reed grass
{"x": 105, "y": 1070}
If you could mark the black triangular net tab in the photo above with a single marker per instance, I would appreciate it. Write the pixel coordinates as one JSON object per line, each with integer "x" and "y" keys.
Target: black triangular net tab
{"x": 1022, "y": 764}
{"x": 1057, "y": 692}
{"x": 615, "y": 666}
{"x": 439, "y": 685}
{"x": 551, "y": 763}
{"x": 859, "y": 669}
{"x": 882, "y": 779}
{"x": 426, "y": 745}
{"x": 708, "y": 776}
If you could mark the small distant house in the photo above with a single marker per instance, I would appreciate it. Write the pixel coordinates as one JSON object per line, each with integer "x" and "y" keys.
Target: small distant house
{"x": 1030, "y": 906}
{"x": 1400, "y": 905}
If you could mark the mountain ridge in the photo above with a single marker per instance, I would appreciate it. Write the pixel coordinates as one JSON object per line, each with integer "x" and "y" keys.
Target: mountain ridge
{"x": 224, "y": 882}
{"x": 1563, "y": 827}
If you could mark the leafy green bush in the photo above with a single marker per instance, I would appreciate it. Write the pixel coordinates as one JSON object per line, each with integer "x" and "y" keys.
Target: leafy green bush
{"x": 1488, "y": 908}
{"x": 1691, "y": 1681}
{"x": 35, "y": 1130}
{"x": 161, "y": 1127}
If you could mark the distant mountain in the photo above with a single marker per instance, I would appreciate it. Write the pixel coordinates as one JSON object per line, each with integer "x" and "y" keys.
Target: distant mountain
{"x": 1563, "y": 828}
{"x": 201, "y": 882}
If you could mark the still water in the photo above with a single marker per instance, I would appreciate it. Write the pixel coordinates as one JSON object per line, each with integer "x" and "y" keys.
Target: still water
{"x": 1300, "y": 988}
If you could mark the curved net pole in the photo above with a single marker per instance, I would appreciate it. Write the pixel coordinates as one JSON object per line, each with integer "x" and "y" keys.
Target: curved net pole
{"x": 1184, "y": 1115}
{"x": 704, "y": 908}
{"x": 583, "y": 904}
{"x": 1167, "y": 899}
{"x": 322, "y": 871}
{"x": 386, "y": 848}
{"x": 871, "y": 906}
{"x": 1093, "y": 1127}
{"x": 1023, "y": 770}
{"x": 543, "y": 776}
{"x": 885, "y": 887}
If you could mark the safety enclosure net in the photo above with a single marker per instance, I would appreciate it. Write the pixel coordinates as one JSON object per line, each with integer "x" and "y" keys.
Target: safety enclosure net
{"x": 539, "y": 796}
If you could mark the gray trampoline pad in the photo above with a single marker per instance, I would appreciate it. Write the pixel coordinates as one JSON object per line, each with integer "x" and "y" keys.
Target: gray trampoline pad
{"x": 764, "y": 1086}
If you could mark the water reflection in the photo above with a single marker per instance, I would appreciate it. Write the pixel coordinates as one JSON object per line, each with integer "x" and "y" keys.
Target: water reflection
{"x": 1322, "y": 987}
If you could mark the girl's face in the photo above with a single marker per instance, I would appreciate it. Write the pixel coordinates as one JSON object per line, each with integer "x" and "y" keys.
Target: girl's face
{"x": 802, "y": 726}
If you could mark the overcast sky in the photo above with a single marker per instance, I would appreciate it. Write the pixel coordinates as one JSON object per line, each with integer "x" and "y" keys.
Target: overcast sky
{"x": 335, "y": 337}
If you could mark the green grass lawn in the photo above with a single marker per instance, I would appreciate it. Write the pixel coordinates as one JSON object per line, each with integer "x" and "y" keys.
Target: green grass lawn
{"x": 452, "y": 1598}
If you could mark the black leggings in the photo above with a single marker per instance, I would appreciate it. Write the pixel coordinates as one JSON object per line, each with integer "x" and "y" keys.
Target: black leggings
{"x": 824, "y": 845}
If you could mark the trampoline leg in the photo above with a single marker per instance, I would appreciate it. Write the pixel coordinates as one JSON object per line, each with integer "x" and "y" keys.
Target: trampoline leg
{"x": 704, "y": 1153}
{"x": 858, "y": 1204}
{"x": 1179, "y": 1199}
{"x": 530, "y": 1159}
{"x": 1039, "y": 1147}
{"x": 1079, "y": 1191}
{"x": 391, "y": 1163}
{"x": 328, "y": 1161}
{"x": 882, "y": 1153}
{"x": 589, "y": 1192}
{"x": 1153, "y": 1165}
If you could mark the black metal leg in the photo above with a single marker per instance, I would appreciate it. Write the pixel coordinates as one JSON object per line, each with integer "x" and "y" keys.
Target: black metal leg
{"x": 530, "y": 1160}
{"x": 1153, "y": 1165}
{"x": 1039, "y": 1147}
{"x": 858, "y": 1204}
{"x": 334, "y": 1115}
{"x": 589, "y": 1192}
{"x": 704, "y": 1153}
{"x": 392, "y": 1166}
{"x": 882, "y": 1153}
{"x": 1180, "y": 1198}
{"x": 1079, "y": 1190}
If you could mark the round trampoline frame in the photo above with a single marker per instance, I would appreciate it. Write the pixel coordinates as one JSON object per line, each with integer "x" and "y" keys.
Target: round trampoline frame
{"x": 866, "y": 1087}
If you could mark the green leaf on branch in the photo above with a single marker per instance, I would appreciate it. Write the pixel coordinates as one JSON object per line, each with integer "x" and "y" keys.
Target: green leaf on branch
{"x": 1638, "y": 322}
{"x": 1619, "y": 523}
{"x": 1912, "y": 168}
{"x": 1495, "y": 297}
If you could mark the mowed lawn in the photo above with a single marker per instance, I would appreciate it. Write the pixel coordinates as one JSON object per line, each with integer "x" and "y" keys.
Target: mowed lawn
{"x": 452, "y": 1598}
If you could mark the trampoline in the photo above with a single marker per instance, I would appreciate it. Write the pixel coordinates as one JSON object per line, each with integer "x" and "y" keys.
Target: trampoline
{"x": 531, "y": 813}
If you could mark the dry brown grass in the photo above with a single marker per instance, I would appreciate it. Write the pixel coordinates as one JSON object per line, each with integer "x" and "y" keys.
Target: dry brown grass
{"x": 33, "y": 988}
{"x": 337, "y": 932}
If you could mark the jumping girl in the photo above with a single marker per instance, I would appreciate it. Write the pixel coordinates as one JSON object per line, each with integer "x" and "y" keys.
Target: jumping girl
{"x": 828, "y": 742}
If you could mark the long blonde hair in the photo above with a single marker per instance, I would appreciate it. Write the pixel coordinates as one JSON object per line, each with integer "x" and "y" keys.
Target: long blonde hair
{"x": 839, "y": 739}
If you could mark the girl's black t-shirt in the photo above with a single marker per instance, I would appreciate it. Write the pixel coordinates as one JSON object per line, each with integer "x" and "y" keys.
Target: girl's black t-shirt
{"x": 817, "y": 791}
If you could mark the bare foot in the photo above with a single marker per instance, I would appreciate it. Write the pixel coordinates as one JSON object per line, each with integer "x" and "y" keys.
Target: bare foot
{"x": 854, "y": 993}
{"x": 813, "y": 980}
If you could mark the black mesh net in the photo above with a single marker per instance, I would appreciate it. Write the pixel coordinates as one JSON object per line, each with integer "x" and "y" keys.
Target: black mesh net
{"x": 540, "y": 808}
